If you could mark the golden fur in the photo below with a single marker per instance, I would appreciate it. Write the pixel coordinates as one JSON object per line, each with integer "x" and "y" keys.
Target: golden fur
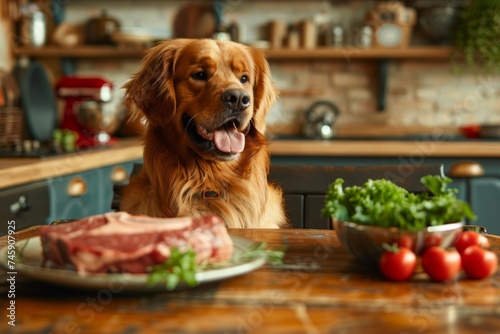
{"x": 180, "y": 86}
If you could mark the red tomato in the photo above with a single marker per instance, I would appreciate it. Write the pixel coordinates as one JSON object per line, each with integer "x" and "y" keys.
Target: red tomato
{"x": 478, "y": 262}
{"x": 469, "y": 238}
{"x": 405, "y": 241}
{"x": 471, "y": 131}
{"x": 441, "y": 264}
{"x": 431, "y": 240}
{"x": 398, "y": 264}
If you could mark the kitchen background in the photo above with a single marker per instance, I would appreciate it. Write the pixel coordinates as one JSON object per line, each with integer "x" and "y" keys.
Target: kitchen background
{"x": 387, "y": 73}
{"x": 427, "y": 92}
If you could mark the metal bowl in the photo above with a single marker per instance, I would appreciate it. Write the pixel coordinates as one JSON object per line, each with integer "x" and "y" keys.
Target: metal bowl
{"x": 438, "y": 23}
{"x": 366, "y": 242}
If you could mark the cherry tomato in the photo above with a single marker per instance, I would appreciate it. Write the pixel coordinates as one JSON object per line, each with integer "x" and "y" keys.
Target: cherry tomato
{"x": 478, "y": 262}
{"x": 471, "y": 131}
{"x": 469, "y": 238}
{"x": 441, "y": 264}
{"x": 405, "y": 241}
{"x": 398, "y": 264}
{"x": 431, "y": 240}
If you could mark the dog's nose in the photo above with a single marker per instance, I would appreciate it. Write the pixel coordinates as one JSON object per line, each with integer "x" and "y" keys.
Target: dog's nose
{"x": 236, "y": 99}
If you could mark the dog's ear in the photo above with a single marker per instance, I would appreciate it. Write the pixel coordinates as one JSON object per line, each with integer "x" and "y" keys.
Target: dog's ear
{"x": 150, "y": 91}
{"x": 264, "y": 90}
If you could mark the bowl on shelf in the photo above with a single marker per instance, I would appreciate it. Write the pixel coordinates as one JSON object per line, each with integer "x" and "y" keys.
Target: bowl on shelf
{"x": 366, "y": 242}
{"x": 438, "y": 23}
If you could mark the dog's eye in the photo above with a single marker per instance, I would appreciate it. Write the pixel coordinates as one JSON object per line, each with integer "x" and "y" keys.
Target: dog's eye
{"x": 244, "y": 79}
{"x": 202, "y": 76}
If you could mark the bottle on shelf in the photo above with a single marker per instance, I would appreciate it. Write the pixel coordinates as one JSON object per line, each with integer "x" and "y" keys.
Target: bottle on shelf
{"x": 221, "y": 33}
{"x": 234, "y": 31}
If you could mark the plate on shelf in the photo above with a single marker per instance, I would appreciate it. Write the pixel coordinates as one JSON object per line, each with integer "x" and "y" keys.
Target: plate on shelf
{"x": 136, "y": 36}
{"x": 28, "y": 262}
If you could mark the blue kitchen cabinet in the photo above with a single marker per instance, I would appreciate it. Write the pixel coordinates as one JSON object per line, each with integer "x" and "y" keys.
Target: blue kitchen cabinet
{"x": 484, "y": 197}
{"x": 86, "y": 193}
{"x": 76, "y": 195}
{"x": 111, "y": 175}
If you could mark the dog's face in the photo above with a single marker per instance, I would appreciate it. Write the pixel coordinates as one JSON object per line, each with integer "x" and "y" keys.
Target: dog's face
{"x": 207, "y": 95}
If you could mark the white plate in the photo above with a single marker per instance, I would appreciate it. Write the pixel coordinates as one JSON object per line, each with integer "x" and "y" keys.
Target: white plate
{"x": 29, "y": 263}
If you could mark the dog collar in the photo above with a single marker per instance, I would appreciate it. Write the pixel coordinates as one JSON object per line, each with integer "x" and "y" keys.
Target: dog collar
{"x": 210, "y": 194}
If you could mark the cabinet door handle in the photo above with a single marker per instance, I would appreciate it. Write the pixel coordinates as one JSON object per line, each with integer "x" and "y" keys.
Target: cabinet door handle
{"x": 19, "y": 206}
{"x": 77, "y": 187}
{"x": 119, "y": 174}
{"x": 466, "y": 169}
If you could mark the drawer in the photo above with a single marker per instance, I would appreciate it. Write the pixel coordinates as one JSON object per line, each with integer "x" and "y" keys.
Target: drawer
{"x": 27, "y": 205}
{"x": 111, "y": 175}
{"x": 76, "y": 195}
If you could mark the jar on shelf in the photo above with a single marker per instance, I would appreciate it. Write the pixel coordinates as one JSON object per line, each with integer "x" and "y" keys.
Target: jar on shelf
{"x": 363, "y": 37}
{"x": 234, "y": 31}
{"x": 335, "y": 36}
{"x": 221, "y": 33}
{"x": 32, "y": 26}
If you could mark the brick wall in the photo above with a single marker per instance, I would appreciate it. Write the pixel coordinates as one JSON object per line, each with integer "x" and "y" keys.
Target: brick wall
{"x": 419, "y": 92}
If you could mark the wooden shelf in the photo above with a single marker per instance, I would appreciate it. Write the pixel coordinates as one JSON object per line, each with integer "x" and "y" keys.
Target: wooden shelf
{"x": 351, "y": 52}
{"x": 80, "y": 52}
{"x": 417, "y": 52}
{"x": 324, "y": 53}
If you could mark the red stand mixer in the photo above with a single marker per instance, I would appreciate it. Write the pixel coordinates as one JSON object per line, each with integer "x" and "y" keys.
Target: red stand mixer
{"x": 78, "y": 91}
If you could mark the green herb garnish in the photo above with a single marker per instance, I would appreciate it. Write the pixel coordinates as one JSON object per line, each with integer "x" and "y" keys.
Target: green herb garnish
{"x": 182, "y": 267}
{"x": 258, "y": 250}
{"x": 179, "y": 267}
{"x": 383, "y": 203}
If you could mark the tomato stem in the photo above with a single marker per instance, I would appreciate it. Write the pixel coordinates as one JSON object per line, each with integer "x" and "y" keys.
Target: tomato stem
{"x": 391, "y": 248}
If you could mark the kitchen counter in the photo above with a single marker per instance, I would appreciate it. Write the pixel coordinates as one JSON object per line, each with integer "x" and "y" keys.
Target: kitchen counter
{"x": 387, "y": 148}
{"x": 16, "y": 171}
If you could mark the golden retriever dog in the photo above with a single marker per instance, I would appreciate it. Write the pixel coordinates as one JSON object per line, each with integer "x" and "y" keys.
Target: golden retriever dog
{"x": 205, "y": 152}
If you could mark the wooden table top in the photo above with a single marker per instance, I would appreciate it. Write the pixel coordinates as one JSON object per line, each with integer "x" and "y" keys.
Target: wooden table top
{"x": 320, "y": 289}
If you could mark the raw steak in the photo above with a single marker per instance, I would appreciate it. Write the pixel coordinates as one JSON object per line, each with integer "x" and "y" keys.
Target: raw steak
{"x": 119, "y": 242}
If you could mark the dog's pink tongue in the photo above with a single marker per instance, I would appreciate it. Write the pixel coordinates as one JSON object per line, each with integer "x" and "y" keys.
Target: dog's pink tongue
{"x": 229, "y": 141}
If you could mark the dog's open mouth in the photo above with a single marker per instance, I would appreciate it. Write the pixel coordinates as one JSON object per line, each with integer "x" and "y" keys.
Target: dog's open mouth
{"x": 226, "y": 139}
